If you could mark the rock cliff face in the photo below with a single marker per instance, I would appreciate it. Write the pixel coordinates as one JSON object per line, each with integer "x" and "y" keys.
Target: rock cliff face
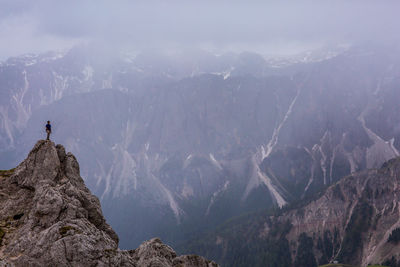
{"x": 355, "y": 221}
{"x": 48, "y": 217}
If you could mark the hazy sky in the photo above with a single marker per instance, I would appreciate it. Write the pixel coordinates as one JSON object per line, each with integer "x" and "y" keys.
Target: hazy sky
{"x": 263, "y": 26}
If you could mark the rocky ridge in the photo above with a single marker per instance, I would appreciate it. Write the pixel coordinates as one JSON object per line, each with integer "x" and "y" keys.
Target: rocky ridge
{"x": 48, "y": 217}
{"x": 355, "y": 221}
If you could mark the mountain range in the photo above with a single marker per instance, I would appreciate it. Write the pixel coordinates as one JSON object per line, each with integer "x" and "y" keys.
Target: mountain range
{"x": 193, "y": 140}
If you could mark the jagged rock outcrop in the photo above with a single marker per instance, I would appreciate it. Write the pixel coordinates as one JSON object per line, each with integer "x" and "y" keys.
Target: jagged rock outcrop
{"x": 48, "y": 217}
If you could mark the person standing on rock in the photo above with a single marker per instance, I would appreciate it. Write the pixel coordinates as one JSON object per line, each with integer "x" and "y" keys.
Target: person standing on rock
{"x": 48, "y": 130}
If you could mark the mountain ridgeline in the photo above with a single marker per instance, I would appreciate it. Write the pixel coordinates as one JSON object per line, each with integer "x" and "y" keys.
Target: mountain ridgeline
{"x": 48, "y": 217}
{"x": 196, "y": 140}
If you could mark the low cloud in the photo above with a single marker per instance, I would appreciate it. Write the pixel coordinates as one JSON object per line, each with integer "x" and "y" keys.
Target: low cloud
{"x": 31, "y": 26}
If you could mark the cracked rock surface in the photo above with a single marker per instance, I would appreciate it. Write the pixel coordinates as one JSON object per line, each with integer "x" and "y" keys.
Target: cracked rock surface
{"x": 48, "y": 217}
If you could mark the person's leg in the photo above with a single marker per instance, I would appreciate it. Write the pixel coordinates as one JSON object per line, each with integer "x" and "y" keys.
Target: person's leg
{"x": 48, "y": 135}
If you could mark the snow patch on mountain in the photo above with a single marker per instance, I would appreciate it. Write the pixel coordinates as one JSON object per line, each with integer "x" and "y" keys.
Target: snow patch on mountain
{"x": 324, "y": 157}
{"x": 311, "y": 180}
{"x": 60, "y": 85}
{"x": 215, "y": 195}
{"x": 274, "y": 139}
{"x": 215, "y": 162}
{"x": 120, "y": 179}
{"x": 6, "y": 125}
{"x": 127, "y": 176}
{"x": 225, "y": 74}
{"x": 258, "y": 178}
{"x": 88, "y": 72}
{"x": 187, "y": 161}
{"x": 267, "y": 181}
{"x": 381, "y": 150}
{"x": 23, "y": 112}
{"x": 310, "y": 56}
{"x": 391, "y": 143}
{"x": 167, "y": 195}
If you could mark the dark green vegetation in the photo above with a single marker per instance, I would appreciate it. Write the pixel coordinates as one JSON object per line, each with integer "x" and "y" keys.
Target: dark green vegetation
{"x": 392, "y": 262}
{"x": 242, "y": 242}
{"x": 239, "y": 244}
{"x": 65, "y": 230}
{"x": 360, "y": 222}
{"x": 7, "y": 173}
{"x": 394, "y": 236}
{"x": 2, "y": 233}
{"x": 328, "y": 245}
{"x": 339, "y": 265}
{"x": 9, "y": 224}
{"x": 347, "y": 265}
{"x": 305, "y": 256}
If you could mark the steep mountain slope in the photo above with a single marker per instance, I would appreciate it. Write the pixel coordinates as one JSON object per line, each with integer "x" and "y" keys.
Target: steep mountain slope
{"x": 182, "y": 142}
{"x": 354, "y": 221}
{"x": 48, "y": 217}
{"x": 183, "y": 174}
{"x": 361, "y": 210}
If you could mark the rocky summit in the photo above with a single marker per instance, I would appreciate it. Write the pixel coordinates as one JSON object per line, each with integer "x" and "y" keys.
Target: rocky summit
{"x": 48, "y": 217}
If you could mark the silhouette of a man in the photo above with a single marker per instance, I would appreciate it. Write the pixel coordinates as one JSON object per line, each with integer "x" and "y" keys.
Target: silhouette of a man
{"x": 48, "y": 130}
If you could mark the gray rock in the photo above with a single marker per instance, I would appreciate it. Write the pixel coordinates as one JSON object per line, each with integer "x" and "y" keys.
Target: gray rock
{"x": 48, "y": 217}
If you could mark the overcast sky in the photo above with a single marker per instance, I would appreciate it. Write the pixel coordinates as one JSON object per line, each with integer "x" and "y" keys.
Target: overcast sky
{"x": 263, "y": 26}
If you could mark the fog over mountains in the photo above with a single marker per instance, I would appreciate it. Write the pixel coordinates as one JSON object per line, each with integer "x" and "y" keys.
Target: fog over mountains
{"x": 225, "y": 128}
{"x": 266, "y": 27}
{"x": 176, "y": 145}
